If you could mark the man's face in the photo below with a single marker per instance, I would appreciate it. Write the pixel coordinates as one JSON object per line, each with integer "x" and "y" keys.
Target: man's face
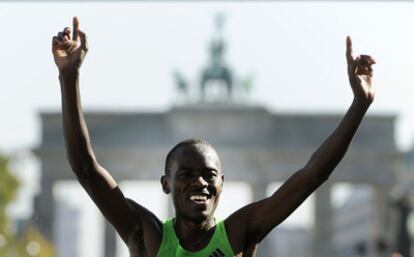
{"x": 195, "y": 182}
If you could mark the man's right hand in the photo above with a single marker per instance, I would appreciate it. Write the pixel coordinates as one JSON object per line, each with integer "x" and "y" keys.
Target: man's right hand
{"x": 68, "y": 51}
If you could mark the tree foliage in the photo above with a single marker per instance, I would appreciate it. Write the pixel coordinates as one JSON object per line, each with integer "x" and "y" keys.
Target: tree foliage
{"x": 30, "y": 243}
{"x": 8, "y": 189}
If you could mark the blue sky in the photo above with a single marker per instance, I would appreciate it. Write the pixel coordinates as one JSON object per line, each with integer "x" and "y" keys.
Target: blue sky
{"x": 295, "y": 51}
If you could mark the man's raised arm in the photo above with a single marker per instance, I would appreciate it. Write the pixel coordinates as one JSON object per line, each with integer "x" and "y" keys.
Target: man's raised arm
{"x": 124, "y": 215}
{"x": 261, "y": 217}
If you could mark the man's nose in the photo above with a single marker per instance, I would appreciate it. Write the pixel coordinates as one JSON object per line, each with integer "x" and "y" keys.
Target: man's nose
{"x": 200, "y": 181}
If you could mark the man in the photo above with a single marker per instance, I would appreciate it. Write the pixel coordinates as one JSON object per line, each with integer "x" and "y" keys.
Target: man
{"x": 193, "y": 174}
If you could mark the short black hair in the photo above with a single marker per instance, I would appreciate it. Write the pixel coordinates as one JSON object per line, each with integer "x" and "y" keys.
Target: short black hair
{"x": 172, "y": 153}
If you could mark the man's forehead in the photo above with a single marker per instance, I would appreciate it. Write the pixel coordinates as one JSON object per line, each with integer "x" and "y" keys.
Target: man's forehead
{"x": 197, "y": 154}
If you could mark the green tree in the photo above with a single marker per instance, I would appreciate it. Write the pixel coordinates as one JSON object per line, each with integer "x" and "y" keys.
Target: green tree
{"x": 8, "y": 189}
{"x": 30, "y": 243}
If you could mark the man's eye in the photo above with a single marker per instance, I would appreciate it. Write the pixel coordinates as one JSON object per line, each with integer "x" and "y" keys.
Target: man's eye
{"x": 211, "y": 175}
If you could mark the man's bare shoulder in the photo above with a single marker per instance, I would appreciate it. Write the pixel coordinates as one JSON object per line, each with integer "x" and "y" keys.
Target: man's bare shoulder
{"x": 238, "y": 228}
{"x": 146, "y": 236}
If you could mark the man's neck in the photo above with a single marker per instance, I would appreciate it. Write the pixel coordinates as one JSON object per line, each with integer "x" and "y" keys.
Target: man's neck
{"x": 194, "y": 235}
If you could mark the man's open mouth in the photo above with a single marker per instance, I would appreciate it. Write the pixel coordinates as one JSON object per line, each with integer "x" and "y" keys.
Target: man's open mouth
{"x": 199, "y": 198}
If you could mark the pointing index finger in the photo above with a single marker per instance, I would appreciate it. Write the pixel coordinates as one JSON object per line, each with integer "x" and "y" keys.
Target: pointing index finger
{"x": 349, "y": 56}
{"x": 75, "y": 28}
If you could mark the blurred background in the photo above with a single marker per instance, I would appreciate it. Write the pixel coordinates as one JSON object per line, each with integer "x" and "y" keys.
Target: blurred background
{"x": 264, "y": 82}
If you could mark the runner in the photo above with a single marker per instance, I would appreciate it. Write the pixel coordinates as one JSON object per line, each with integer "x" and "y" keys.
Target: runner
{"x": 193, "y": 175}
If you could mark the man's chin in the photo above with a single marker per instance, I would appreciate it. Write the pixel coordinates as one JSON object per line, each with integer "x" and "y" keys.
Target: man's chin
{"x": 201, "y": 215}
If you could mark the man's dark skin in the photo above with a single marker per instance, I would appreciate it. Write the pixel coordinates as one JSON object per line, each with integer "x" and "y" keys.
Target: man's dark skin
{"x": 195, "y": 178}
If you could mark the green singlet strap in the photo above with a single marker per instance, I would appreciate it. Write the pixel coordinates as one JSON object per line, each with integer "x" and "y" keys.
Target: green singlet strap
{"x": 219, "y": 245}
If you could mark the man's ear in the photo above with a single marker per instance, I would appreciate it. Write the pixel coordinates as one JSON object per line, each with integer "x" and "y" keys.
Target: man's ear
{"x": 165, "y": 183}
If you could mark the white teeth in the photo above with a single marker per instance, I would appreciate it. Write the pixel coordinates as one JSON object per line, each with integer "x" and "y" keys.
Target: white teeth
{"x": 198, "y": 198}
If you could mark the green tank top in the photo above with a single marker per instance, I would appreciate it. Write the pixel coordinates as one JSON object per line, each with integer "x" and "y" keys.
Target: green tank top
{"x": 219, "y": 245}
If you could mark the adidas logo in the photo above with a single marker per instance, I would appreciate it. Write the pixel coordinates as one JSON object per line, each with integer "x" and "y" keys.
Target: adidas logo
{"x": 217, "y": 253}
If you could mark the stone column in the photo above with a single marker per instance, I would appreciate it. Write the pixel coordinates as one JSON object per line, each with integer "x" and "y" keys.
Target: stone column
{"x": 110, "y": 240}
{"x": 381, "y": 223}
{"x": 44, "y": 209}
{"x": 322, "y": 228}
